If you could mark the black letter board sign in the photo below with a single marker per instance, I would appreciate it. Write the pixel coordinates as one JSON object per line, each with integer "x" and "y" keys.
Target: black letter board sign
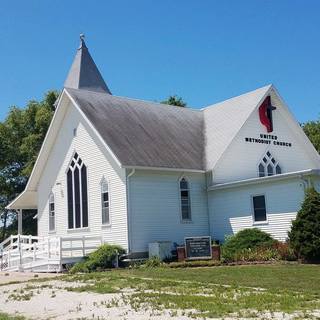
{"x": 198, "y": 248}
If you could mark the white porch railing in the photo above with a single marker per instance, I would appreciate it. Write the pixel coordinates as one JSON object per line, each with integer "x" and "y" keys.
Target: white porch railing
{"x": 21, "y": 252}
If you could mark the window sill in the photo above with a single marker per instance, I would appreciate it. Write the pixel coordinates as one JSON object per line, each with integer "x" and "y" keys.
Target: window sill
{"x": 52, "y": 232}
{"x": 258, "y": 223}
{"x": 75, "y": 230}
{"x": 186, "y": 221}
{"x": 106, "y": 225}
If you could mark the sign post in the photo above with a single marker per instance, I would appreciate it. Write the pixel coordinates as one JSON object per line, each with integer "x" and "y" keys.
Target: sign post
{"x": 198, "y": 248}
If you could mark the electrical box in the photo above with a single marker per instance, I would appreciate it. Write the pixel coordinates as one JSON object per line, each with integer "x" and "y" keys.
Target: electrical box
{"x": 160, "y": 249}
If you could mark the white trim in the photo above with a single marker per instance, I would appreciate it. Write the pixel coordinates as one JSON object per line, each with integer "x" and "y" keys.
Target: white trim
{"x": 51, "y": 126}
{"x": 189, "y": 220}
{"x": 163, "y": 169}
{"x": 52, "y": 195}
{"x": 79, "y": 167}
{"x": 265, "y": 164}
{"x": 105, "y": 181}
{"x": 85, "y": 229}
{"x": 298, "y": 130}
{"x": 277, "y": 177}
{"x": 262, "y": 222}
{"x": 129, "y": 222}
{"x": 8, "y": 207}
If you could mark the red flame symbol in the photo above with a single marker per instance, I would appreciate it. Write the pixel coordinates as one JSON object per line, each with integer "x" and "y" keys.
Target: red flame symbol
{"x": 265, "y": 114}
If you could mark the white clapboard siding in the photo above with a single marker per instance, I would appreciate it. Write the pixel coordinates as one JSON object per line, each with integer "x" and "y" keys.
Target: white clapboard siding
{"x": 155, "y": 208}
{"x": 241, "y": 158}
{"x": 231, "y": 210}
{"x": 99, "y": 164}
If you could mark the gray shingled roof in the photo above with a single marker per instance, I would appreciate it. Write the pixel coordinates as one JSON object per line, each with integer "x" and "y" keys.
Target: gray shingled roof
{"x": 144, "y": 133}
{"x": 84, "y": 73}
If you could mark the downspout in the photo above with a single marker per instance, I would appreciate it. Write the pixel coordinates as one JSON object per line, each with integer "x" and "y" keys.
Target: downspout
{"x": 129, "y": 210}
{"x": 209, "y": 176}
{"x": 305, "y": 182}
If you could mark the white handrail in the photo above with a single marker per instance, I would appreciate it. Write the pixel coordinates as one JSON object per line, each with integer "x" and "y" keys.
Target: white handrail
{"x": 22, "y": 250}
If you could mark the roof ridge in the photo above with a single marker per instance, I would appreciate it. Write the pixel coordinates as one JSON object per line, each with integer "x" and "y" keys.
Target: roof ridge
{"x": 139, "y": 100}
{"x": 266, "y": 87}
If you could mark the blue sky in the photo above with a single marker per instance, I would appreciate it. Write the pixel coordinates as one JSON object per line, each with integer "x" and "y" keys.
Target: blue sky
{"x": 205, "y": 51}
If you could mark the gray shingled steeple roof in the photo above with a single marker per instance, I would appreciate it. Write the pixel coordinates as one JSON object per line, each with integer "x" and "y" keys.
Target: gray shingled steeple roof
{"x": 84, "y": 73}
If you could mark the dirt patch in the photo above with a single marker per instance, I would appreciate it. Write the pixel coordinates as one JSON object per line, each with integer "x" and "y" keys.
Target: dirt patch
{"x": 10, "y": 277}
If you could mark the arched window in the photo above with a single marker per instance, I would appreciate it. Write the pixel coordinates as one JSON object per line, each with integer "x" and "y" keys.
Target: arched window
{"x": 52, "y": 223}
{"x": 105, "y": 202}
{"x": 185, "y": 200}
{"x": 77, "y": 194}
{"x": 268, "y": 166}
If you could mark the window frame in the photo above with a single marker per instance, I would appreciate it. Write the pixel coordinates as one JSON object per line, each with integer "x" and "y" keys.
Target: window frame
{"x": 106, "y": 181}
{"x": 182, "y": 220}
{"x": 266, "y": 164}
{"x": 81, "y": 228}
{"x": 261, "y": 222}
{"x": 52, "y": 196}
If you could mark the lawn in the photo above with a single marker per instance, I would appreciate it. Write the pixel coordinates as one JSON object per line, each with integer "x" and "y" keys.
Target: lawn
{"x": 4, "y": 316}
{"x": 213, "y": 292}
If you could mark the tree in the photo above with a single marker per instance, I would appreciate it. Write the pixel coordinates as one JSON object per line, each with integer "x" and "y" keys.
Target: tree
{"x": 175, "y": 101}
{"x": 305, "y": 233}
{"x": 21, "y": 137}
{"x": 312, "y": 130}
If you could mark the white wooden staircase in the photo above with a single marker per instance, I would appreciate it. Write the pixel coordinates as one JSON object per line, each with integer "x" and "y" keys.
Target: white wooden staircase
{"x": 44, "y": 254}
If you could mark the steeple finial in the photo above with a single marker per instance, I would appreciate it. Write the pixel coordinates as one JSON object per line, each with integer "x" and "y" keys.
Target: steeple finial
{"x": 82, "y": 43}
{"x": 84, "y": 73}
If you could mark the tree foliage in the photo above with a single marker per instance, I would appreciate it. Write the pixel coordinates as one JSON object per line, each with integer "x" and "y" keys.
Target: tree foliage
{"x": 175, "y": 101}
{"x": 305, "y": 233}
{"x": 21, "y": 137}
{"x": 312, "y": 130}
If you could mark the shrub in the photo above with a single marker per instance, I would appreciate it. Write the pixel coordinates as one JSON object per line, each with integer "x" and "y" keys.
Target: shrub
{"x": 257, "y": 254}
{"x": 98, "y": 260}
{"x": 285, "y": 251}
{"x": 245, "y": 239}
{"x": 153, "y": 262}
{"x": 305, "y": 233}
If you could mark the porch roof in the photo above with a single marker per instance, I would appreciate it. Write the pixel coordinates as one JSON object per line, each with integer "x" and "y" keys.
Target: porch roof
{"x": 26, "y": 200}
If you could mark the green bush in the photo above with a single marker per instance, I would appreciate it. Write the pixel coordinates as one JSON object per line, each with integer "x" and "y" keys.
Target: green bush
{"x": 152, "y": 262}
{"x": 235, "y": 246}
{"x": 305, "y": 232}
{"x": 98, "y": 260}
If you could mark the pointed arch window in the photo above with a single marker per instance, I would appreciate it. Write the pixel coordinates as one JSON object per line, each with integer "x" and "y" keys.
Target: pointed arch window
{"x": 52, "y": 223}
{"x": 77, "y": 193}
{"x": 185, "y": 200}
{"x": 105, "y": 202}
{"x": 268, "y": 166}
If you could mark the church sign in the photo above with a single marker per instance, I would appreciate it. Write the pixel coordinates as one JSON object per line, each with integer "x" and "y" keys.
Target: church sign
{"x": 268, "y": 139}
{"x": 198, "y": 248}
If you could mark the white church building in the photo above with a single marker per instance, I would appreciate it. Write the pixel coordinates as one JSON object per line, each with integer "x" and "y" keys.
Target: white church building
{"x": 134, "y": 172}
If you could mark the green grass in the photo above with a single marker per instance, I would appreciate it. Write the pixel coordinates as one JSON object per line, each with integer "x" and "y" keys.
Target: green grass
{"x": 4, "y": 316}
{"x": 212, "y": 292}
{"x": 295, "y": 277}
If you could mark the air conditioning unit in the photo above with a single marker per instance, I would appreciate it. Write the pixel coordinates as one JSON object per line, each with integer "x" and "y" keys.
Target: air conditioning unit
{"x": 160, "y": 249}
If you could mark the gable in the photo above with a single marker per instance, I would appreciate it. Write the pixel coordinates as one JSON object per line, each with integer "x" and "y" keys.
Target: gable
{"x": 287, "y": 144}
{"x": 222, "y": 121}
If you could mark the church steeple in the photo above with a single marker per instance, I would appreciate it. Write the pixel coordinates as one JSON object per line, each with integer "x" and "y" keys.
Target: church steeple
{"x": 84, "y": 73}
